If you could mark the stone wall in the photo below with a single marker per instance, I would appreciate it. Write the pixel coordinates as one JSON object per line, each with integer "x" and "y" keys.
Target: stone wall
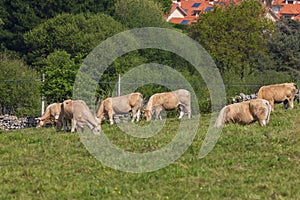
{"x": 8, "y": 122}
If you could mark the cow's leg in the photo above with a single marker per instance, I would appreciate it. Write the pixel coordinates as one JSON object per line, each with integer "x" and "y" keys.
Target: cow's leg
{"x": 64, "y": 121}
{"x": 138, "y": 114}
{"x": 181, "y": 107}
{"x": 111, "y": 117}
{"x": 291, "y": 102}
{"x": 134, "y": 113}
{"x": 272, "y": 104}
{"x": 157, "y": 111}
{"x": 189, "y": 111}
{"x": 73, "y": 125}
{"x": 59, "y": 125}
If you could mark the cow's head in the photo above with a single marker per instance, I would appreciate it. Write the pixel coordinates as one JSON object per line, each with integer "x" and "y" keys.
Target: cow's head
{"x": 43, "y": 122}
{"x": 148, "y": 115}
{"x": 99, "y": 118}
{"x": 40, "y": 122}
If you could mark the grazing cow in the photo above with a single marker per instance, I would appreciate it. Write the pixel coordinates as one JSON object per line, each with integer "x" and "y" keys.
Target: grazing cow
{"x": 51, "y": 115}
{"x": 80, "y": 115}
{"x": 245, "y": 113}
{"x": 278, "y": 93}
{"x": 169, "y": 101}
{"x": 121, "y": 105}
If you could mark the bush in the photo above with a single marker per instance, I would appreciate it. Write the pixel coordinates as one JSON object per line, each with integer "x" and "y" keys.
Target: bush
{"x": 19, "y": 88}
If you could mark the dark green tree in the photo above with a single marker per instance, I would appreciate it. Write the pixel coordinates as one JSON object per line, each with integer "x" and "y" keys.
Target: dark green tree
{"x": 234, "y": 36}
{"x": 20, "y": 16}
{"x": 284, "y": 47}
{"x": 75, "y": 34}
{"x": 165, "y": 4}
{"x": 139, "y": 13}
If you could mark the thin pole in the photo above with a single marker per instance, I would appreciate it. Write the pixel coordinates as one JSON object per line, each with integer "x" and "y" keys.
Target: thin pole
{"x": 119, "y": 85}
{"x": 43, "y": 99}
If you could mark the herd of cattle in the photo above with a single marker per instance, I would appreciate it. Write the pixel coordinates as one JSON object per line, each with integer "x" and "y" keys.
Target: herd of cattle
{"x": 79, "y": 114}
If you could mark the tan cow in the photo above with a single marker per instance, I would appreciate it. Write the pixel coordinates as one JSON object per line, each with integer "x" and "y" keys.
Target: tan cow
{"x": 131, "y": 103}
{"x": 278, "y": 93}
{"x": 169, "y": 101}
{"x": 80, "y": 115}
{"x": 51, "y": 115}
{"x": 245, "y": 113}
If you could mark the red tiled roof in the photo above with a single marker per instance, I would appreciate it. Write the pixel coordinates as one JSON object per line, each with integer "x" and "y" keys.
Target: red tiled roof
{"x": 189, "y": 11}
{"x": 290, "y": 9}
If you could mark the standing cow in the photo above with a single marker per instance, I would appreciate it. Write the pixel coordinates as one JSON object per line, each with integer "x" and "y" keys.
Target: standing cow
{"x": 121, "y": 105}
{"x": 278, "y": 93}
{"x": 80, "y": 115}
{"x": 169, "y": 101}
{"x": 245, "y": 113}
{"x": 51, "y": 115}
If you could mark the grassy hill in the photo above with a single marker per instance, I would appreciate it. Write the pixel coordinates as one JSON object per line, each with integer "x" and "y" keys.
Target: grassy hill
{"x": 248, "y": 162}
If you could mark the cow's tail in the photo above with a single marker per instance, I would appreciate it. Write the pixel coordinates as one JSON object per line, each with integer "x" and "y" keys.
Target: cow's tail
{"x": 221, "y": 118}
{"x": 268, "y": 113}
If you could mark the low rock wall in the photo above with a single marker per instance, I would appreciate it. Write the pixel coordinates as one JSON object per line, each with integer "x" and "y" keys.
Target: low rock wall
{"x": 8, "y": 122}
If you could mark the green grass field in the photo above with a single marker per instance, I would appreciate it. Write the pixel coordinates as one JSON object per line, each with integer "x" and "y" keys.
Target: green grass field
{"x": 248, "y": 162}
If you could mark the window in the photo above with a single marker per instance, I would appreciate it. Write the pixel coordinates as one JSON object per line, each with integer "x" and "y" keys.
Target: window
{"x": 208, "y": 9}
{"x": 196, "y": 5}
{"x": 185, "y": 21}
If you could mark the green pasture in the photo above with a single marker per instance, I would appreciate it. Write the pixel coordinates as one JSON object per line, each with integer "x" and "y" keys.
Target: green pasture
{"x": 248, "y": 162}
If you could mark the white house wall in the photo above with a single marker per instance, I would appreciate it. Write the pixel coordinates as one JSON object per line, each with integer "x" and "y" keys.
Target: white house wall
{"x": 175, "y": 14}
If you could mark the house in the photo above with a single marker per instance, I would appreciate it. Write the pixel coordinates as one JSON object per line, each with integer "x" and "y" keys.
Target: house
{"x": 284, "y": 9}
{"x": 188, "y": 11}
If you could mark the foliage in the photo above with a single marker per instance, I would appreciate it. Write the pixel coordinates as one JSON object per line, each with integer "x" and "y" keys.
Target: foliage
{"x": 284, "y": 47}
{"x": 18, "y": 87}
{"x": 75, "y": 34}
{"x": 165, "y": 4}
{"x": 233, "y": 35}
{"x": 248, "y": 162}
{"x": 60, "y": 70}
{"x": 252, "y": 83}
{"x": 139, "y": 13}
{"x": 20, "y": 16}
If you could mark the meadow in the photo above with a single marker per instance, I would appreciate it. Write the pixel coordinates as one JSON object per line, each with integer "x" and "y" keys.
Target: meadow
{"x": 247, "y": 162}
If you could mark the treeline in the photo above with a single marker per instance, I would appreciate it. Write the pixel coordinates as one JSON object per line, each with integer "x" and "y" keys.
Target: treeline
{"x": 54, "y": 38}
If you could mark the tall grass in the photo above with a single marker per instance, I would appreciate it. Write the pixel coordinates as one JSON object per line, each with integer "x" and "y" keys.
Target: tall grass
{"x": 248, "y": 162}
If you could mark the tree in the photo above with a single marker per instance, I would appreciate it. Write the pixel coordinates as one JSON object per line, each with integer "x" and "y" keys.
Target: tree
{"x": 165, "y": 4}
{"x": 284, "y": 47}
{"x": 234, "y": 36}
{"x": 75, "y": 34}
{"x": 19, "y": 88}
{"x": 20, "y": 16}
{"x": 139, "y": 13}
{"x": 60, "y": 70}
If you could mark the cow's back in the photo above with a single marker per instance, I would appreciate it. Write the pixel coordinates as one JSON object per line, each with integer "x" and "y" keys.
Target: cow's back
{"x": 168, "y": 100}
{"x": 135, "y": 99}
{"x": 239, "y": 112}
{"x": 184, "y": 96}
{"x": 277, "y": 92}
